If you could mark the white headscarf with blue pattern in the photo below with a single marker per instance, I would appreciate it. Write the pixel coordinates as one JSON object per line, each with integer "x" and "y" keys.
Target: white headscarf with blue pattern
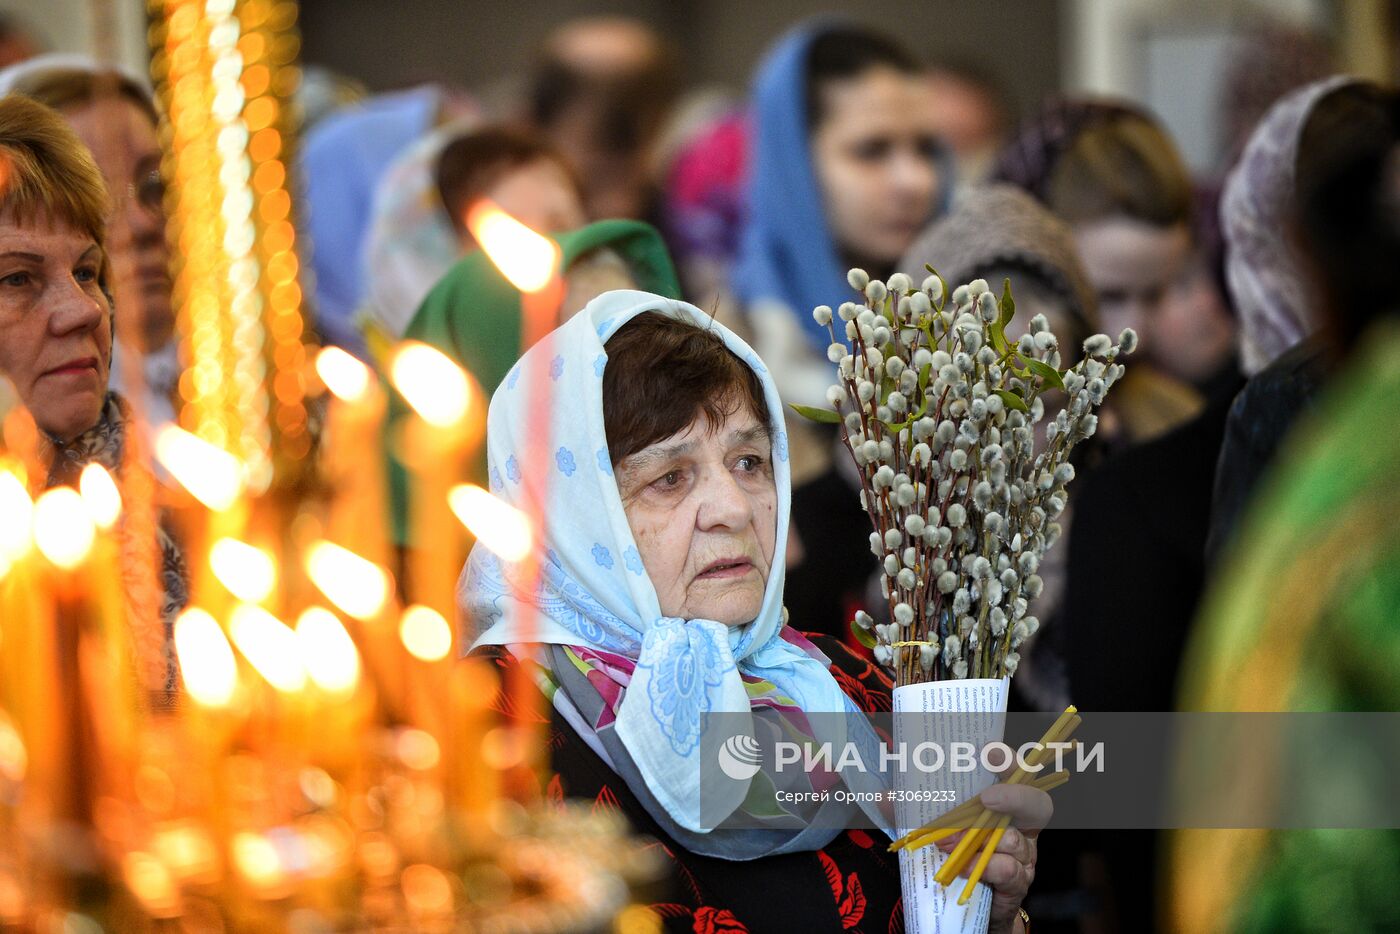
{"x": 594, "y": 590}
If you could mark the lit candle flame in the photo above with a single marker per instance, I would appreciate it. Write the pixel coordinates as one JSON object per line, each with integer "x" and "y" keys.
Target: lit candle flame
{"x": 63, "y": 530}
{"x": 249, "y": 573}
{"x": 346, "y": 377}
{"x": 207, "y": 665}
{"x": 526, "y": 258}
{"x": 417, "y": 749}
{"x": 269, "y": 645}
{"x": 18, "y": 511}
{"x": 357, "y": 586}
{"x": 437, "y": 388}
{"x": 212, "y": 475}
{"x": 327, "y": 651}
{"x": 496, "y": 524}
{"x": 14, "y": 760}
{"x": 257, "y": 859}
{"x": 150, "y": 881}
{"x": 425, "y": 633}
{"x": 100, "y": 495}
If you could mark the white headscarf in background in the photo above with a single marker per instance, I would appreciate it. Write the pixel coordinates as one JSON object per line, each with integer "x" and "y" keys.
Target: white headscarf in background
{"x": 1257, "y": 209}
{"x": 412, "y": 242}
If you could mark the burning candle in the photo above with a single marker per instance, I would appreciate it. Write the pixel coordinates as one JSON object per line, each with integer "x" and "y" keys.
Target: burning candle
{"x": 437, "y": 442}
{"x": 532, "y": 263}
{"x": 358, "y": 511}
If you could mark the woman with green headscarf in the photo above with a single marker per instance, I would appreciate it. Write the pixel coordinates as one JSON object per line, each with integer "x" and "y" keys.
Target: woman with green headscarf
{"x": 474, "y": 316}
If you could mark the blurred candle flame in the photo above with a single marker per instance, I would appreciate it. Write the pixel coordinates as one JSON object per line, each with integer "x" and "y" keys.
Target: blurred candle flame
{"x": 417, "y": 749}
{"x": 212, "y": 475}
{"x": 207, "y": 665}
{"x": 426, "y": 889}
{"x": 425, "y": 633}
{"x": 150, "y": 881}
{"x": 327, "y": 651}
{"x": 436, "y": 387}
{"x": 249, "y": 573}
{"x": 63, "y": 530}
{"x": 526, "y": 258}
{"x": 14, "y": 761}
{"x": 346, "y": 377}
{"x": 100, "y": 495}
{"x": 257, "y": 859}
{"x": 495, "y": 523}
{"x": 186, "y": 848}
{"x": 269, "y": 645}
{"x": 18, "y": 511}
{"x": 357, "y": 586}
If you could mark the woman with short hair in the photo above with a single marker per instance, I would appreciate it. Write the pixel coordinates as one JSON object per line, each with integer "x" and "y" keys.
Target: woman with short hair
{"x": 113, "y": 113}
{"x": 56, "y": 343}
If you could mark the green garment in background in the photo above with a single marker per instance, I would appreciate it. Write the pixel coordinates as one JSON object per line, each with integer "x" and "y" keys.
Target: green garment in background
{"x": 473, "y": 315}
{"x": 1305, "y": 616}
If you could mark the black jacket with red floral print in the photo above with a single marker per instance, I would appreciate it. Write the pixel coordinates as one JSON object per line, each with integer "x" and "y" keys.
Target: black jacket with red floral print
{"x": 852, "y": 885}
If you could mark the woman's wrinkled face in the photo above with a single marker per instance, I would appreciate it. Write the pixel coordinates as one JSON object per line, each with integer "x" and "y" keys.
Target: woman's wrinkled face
{"x": 126, "y": 147}
{"x": 55, "y": 329}
{"x": 702, "y": 506}
{"x": 1132, "y": 266}
{"x": 875, "y": 153}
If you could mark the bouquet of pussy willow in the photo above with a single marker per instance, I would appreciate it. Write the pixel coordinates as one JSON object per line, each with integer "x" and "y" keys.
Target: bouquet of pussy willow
{"x": 939, "y": 407}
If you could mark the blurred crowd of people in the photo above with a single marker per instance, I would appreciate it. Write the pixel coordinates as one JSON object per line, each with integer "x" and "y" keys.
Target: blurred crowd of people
{"x": 1253, "y": 290}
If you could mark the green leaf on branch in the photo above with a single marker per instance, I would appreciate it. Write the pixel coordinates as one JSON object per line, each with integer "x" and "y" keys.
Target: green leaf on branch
{"x": 864, "y": 636}
{"x": 814, "y": 414}
{"x": 1008, "y": 311}
{"x": 1008, "y": 305}
{"x": 1013, "y": 401}
{"x": 925, "y": 374}
{"x": 1046, "y": 372}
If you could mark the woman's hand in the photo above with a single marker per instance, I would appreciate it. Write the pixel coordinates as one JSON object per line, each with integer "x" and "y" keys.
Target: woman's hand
{"x": 1011, "y": 869}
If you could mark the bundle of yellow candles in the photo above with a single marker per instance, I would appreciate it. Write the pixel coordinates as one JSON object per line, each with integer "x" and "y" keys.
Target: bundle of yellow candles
{"x": 973, "y": 819}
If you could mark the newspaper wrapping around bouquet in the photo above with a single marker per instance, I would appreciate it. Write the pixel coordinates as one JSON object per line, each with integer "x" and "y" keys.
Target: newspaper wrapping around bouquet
{"x": 980, "y": 703}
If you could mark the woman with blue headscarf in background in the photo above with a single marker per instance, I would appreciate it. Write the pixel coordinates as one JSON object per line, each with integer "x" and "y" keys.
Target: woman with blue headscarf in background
{"x": 845, "y": 170}
{"x": 664, "y": 490}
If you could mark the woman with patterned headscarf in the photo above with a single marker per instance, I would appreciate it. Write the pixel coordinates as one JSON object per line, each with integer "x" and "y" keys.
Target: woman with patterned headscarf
{"x": 659, "y": 607}
{"x": 1269, "y": 277}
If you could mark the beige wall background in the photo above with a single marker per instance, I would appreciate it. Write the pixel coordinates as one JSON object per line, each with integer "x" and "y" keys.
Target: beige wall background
{"x": 114, "y": 30}
{"x": 391, "y": 44}
{"x": 1167, "y": 53}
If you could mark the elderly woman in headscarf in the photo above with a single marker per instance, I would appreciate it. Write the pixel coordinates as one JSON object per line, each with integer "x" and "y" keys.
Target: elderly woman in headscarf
{"x": 56, "y": 319}
{"x": 664, "y": 498}
{"x": 1280, "y": 350}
